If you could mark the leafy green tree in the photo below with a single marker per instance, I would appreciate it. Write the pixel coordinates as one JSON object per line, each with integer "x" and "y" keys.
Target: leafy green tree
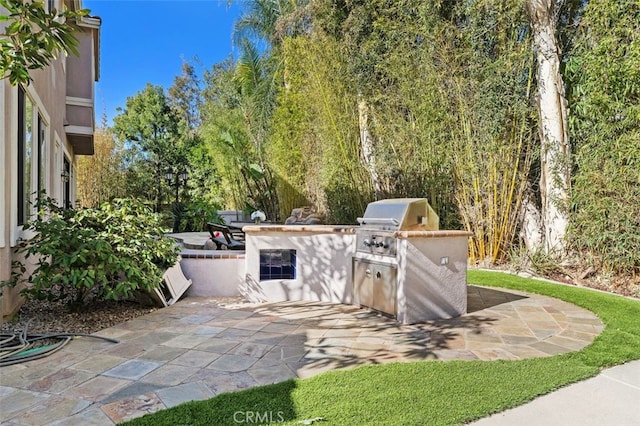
{"x": 154, "y": 138}
{"x": 185, "y": 95}
{"x": 32, "y": 37}
{"x": 255, "y": 83}
{"x": 222, "y": 119}
{"x": 259, "y": 33}
{"x": 258, "y": 77}
{"x": 271, "y": 21}
{"x": 199, "y": 202}
{"x": 232, "y": 149}
{"x": 242, "y": 94}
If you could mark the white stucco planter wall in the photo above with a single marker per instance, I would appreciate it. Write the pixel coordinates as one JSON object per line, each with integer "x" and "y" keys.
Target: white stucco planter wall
{"x": 213, "y": 273}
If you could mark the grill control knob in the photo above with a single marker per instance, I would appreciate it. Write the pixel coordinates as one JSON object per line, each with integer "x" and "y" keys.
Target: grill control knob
{"x": 366, "y": 243}
{"x": 379, "y": 244}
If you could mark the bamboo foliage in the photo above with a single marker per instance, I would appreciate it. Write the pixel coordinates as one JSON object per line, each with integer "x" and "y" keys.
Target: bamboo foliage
{"x": 448, "y": 120}
{"x": 318, "y": 86}
{"x": 489, "y": 193}
{"x": 604, "y": 81}
{"x": 291, "y": 141}
{"x": 409, "y": 127}
{"x": 494, "y": 136}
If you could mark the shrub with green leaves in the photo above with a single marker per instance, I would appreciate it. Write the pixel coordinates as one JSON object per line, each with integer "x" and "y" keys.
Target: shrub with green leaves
{"x": 107, "y": 253}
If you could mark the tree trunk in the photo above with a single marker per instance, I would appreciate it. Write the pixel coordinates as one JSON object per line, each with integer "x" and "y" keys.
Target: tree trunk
{"x": 555, "y": 169}
{"x": 531, "y": 228}
{"x": 367, "y": 151}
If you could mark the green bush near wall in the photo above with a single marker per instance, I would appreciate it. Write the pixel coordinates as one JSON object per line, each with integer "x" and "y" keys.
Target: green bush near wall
{"x": 84, "y": 255}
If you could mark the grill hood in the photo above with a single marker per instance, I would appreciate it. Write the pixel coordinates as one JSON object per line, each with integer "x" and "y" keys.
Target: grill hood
{"x": 401, "y": 214}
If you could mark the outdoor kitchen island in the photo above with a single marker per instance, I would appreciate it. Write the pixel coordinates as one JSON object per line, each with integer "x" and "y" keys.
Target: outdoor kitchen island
{"x": 408, "y": 272}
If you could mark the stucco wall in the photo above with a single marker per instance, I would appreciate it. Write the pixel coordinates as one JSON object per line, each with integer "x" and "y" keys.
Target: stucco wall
{"x": 431, "y": 269}
{"x": 213, "y": 273}
{"x": 47, "y": 95}
{"x": 323, "y": 270}
{"x": 11, "y": 300}
{"x": 79, "y": 68}
{"x": 432, "y": 281}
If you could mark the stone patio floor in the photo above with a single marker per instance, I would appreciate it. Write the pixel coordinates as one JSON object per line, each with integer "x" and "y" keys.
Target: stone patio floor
{"x": 201, "y": 347}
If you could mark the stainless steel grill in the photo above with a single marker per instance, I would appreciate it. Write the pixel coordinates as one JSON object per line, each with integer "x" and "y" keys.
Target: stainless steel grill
{"x": 382, "y": 219}
{"x": 376, "y": 262}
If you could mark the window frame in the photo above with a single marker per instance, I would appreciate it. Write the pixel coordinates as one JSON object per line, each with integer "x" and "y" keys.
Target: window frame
{"x": 25, "y": 152}
{"x": 42, "y": 159}
{"x": 272, "y": 268}
{"x": 32, "y": 172}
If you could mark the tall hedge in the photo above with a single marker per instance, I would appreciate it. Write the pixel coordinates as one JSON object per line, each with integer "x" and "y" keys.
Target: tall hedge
{"x": 604, "y": 96}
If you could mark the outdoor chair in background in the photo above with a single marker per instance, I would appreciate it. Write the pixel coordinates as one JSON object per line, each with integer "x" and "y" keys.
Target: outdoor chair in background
{"x": 226, "y": 238}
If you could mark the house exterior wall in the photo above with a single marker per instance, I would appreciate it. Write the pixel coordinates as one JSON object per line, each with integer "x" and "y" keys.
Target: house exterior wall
{"x": 80, "y": 85}
{"x": 48, "y": 93}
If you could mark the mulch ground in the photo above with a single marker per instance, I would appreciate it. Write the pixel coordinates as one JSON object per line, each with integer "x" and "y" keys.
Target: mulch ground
{"x": 44, "y": 317}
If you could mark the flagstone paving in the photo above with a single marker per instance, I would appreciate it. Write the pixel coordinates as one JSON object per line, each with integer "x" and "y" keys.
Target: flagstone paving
{"x": 201, "y": 347}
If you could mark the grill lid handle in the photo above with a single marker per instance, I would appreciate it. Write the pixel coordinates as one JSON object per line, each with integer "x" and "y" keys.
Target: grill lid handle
{"x": 378, "y": 221}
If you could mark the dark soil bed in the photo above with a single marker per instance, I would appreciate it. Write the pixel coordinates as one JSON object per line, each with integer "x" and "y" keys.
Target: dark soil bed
{"x": 51, "y": 317}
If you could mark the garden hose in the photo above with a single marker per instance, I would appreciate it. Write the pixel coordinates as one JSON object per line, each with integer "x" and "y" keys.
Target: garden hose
{"x": 22, "y": 347}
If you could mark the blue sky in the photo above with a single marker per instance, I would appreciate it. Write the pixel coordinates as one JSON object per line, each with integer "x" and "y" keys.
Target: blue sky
{"x": 145, "y": 41}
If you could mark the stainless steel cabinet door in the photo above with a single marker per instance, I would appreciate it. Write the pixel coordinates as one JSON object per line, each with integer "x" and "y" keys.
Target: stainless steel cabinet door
{"x": 374, "y": 285}
{"x": 384, "y": 288}
{"x": 362, "y": 283}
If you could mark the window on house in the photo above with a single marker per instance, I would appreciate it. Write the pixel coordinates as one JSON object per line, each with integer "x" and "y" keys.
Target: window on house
{"x": 42, "y": 156}
{"x": 66, "y": 183}
{"x": 52, "y": 5}
{"x": 277, "y": 264}
{"x": 25, "y": 156}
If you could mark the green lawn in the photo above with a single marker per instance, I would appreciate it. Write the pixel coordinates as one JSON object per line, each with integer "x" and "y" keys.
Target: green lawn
{"x": 428, "y": 392}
